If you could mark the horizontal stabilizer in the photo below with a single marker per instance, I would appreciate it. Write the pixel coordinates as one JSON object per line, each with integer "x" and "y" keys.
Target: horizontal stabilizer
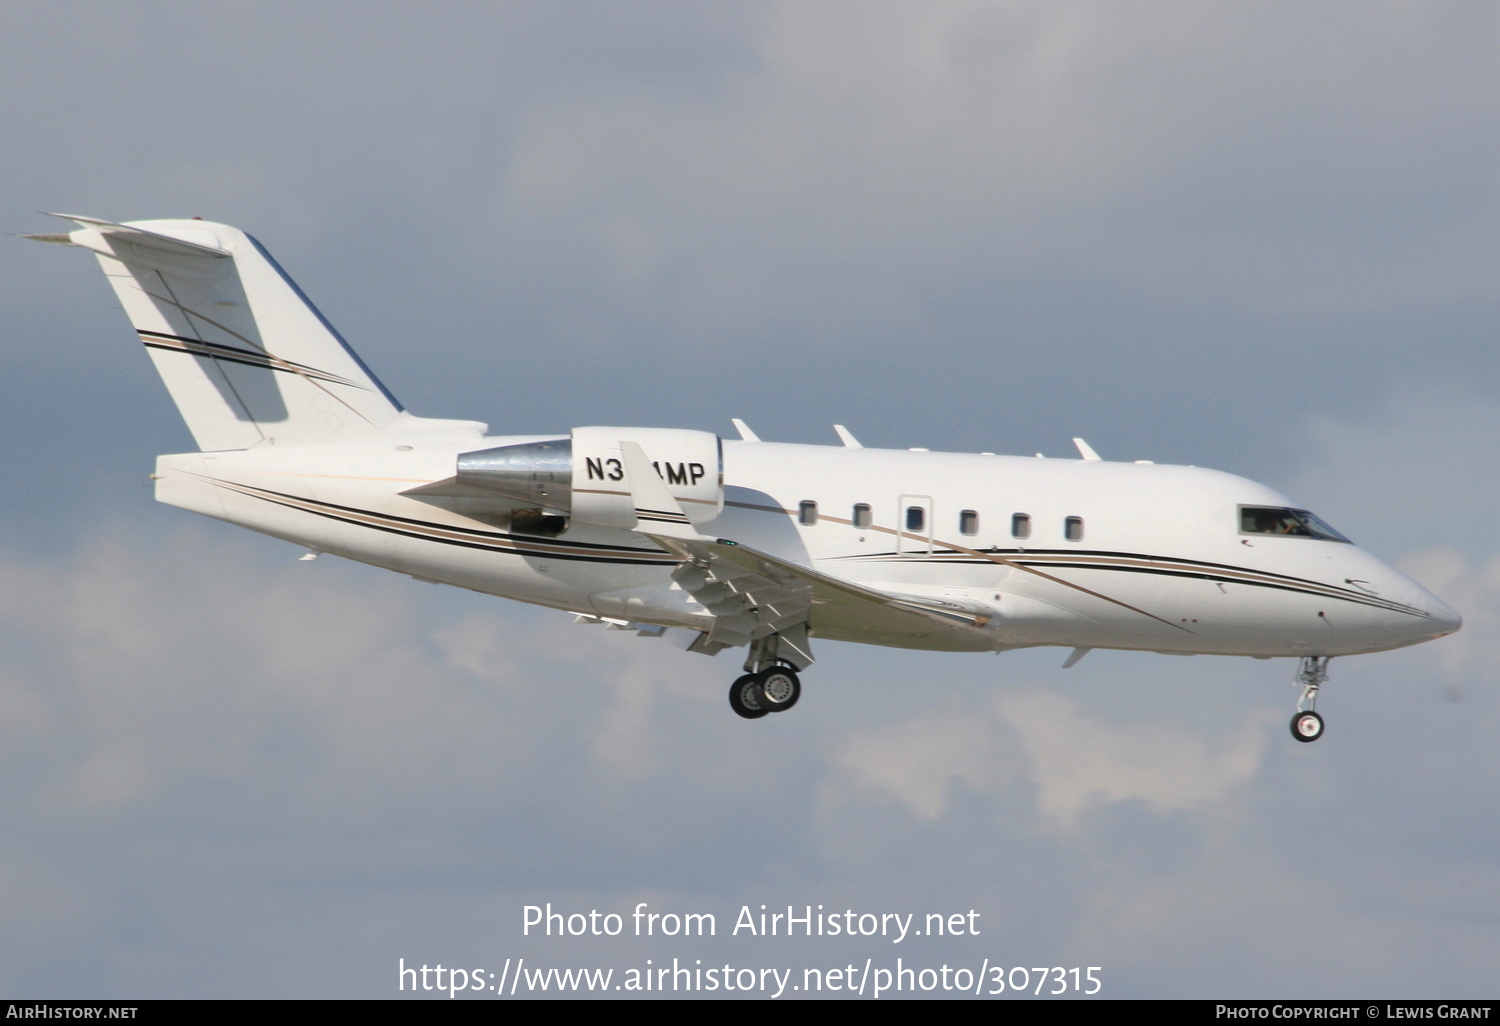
{"x": 452, "y": 488}
{"x": 149, "y": 239}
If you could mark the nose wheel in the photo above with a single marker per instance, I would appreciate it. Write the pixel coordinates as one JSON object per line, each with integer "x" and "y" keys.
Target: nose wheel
{"x": 1307, "y": 726}
{"x": 1312, "y": 674}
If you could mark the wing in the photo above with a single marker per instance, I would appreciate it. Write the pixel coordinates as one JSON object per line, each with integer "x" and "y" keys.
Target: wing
{"x": 753, "y": 593}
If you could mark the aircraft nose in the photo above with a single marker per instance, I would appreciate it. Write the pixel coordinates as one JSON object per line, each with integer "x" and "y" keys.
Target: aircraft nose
{"x": 1445, "y": 618}
{"x": 1441, "y": 618}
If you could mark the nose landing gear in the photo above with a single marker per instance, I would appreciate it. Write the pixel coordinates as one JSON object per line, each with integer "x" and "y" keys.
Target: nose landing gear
{"x": 1307, "y": 725}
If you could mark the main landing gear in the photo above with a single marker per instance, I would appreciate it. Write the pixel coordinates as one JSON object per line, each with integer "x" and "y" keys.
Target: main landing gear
{"x": 1307, "y": 725}
{"x": 770, "y": 683}
{"x": 773, "y": 690}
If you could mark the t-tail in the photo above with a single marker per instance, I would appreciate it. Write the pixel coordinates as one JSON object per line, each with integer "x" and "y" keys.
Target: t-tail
{"x": 245, "y": 355}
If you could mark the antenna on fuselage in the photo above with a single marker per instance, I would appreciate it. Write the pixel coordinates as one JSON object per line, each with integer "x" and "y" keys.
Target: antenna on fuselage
{"x": 847, "y": 437}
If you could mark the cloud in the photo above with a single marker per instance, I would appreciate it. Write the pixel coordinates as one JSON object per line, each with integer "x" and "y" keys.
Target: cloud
{"x": 1080, "y": 763}
{"x": 1401, "y": 471}
{"x": 920, "y": 759}
{"x": 154, "y": 670}
{"x": 1475, "y": 591}
{"x": 1198, "y": 153}
{"x": 1073, "y": 762}
{"x": 966, "y": 223}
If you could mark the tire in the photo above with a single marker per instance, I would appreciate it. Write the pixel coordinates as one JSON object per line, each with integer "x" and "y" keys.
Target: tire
{"x": 1307, "y": 726}
{"x": 781, "y": 688}
{"x": 746, "y": 697}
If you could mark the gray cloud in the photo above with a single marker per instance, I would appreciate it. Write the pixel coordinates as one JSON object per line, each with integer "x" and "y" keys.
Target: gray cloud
{"x": 1251, "y": 238}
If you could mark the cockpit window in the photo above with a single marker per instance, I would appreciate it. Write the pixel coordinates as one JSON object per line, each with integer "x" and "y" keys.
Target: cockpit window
{"x": 1296, "y": 523}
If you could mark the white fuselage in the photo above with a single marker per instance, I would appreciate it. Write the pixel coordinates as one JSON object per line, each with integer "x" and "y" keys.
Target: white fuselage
{"x": 1156, "y": 560}
{"x": 735, "y": 544}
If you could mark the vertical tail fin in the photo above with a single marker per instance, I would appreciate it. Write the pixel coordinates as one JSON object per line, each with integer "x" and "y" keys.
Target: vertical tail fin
{"x": 247, "y": 358}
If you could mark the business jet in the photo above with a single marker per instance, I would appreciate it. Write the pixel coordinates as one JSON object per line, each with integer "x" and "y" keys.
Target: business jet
{"x": 721, "y": 543}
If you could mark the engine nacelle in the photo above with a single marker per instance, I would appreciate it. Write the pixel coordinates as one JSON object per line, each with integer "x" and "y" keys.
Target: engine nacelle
{"x": 690, "y": 463}
{"x": 585, "y": 477}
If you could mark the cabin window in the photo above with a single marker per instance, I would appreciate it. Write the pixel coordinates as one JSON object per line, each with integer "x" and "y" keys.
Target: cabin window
{"x": 1293, "y": 523}
{"x": 916, "y": 518}
{"x": 1020, "y": 525}
{"x": 862, "y": 518}
{"x": 807, "y": 513}
{"x": 968, "y": 522}
{"x": 1073, "y": 528}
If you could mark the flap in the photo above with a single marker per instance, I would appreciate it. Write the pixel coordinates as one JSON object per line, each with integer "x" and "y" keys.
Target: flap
{"x": 827, "y": 604}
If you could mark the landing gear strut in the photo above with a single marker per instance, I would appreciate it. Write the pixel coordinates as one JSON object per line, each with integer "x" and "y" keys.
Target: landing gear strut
{"x": 1307, "y": 725}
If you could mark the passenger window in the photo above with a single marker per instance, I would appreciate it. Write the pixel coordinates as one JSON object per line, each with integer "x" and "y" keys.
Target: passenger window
{"x": 807, "y": 513}
{"x": 1073, "y": 528}
{"x": 968, "y": 522}
{"x": 1020, "y": 525}
{"x": 916, "y": 518}
{"x": 862, "y": 517}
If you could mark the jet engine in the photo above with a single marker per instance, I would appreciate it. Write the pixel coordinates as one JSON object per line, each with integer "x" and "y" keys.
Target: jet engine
{"x": 585, "y": 477}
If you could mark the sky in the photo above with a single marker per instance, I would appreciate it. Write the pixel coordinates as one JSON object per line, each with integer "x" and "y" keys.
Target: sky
{"x": 1258, "y": 237}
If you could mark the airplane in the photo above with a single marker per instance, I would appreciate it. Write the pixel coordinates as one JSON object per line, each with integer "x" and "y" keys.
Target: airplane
{"x": 721, "y": 543}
